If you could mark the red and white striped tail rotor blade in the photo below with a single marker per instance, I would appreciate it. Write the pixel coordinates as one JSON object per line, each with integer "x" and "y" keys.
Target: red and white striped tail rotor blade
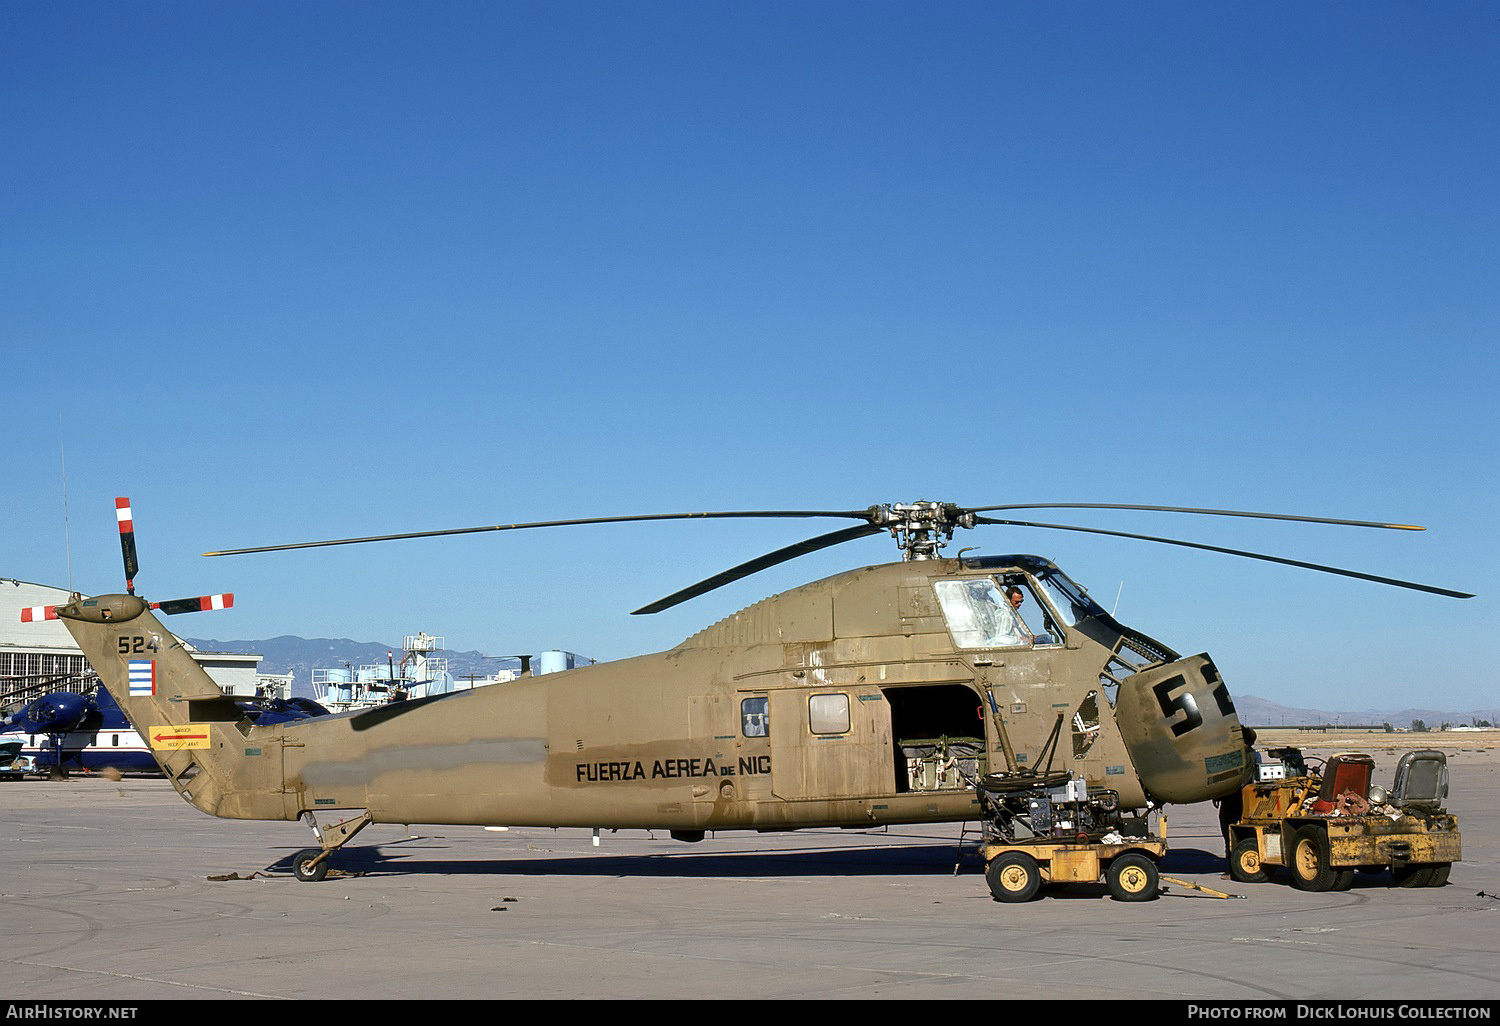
{"x": 127, "y": 541}
{"x": 196, "y": 605}
{"x": 34, "y": 614}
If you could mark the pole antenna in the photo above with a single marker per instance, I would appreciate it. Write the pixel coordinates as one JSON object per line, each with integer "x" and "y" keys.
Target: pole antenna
{"x": 67, "y": 539}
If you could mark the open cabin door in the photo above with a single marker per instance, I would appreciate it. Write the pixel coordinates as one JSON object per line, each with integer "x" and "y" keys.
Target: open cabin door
{"x": 831, "y": 743}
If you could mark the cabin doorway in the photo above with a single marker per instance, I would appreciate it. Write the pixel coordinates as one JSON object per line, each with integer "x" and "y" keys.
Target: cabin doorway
{"x": 938, "y": 730}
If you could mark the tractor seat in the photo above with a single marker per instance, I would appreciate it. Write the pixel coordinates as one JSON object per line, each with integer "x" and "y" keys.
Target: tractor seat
{"x": 1421, "y": 779}
{"x": 1344, "y": 774}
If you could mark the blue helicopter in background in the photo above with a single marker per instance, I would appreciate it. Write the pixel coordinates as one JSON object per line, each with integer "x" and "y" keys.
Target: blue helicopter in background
{"x": 87, "y": 732}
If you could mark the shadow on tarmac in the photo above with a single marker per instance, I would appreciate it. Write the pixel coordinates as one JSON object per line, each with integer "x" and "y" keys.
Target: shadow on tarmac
{"x": 882, "y": 860}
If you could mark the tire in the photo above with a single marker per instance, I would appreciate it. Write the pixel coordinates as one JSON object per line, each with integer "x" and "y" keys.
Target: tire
{"x": 1343, "y": 879}
{"x": 304, "y": 869}
{"x": 1244, "y": 863}
{"x": 1133, "y": 877}
{"x": 1414, "y": 875}
{"x": 1440, "y": 872}
{"x": 1310, "y": 861}
{"x": 1013, "y": 877}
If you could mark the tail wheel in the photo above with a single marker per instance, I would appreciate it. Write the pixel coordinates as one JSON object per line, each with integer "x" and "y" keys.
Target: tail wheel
{"x": 1310, "y": 861}
{"x": 1419, "y": 875}
{"x": 1244, "y": 862}
{"x": 1132, "y": 877}
{"x": 305, "y": 869}
{"x": 1013, "y": 877}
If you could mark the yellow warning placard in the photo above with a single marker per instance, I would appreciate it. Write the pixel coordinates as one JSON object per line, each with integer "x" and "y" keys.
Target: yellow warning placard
{"x": 179, "y": 737}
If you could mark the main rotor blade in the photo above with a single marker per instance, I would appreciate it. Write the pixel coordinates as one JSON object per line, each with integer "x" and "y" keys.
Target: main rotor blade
{"x": 1235, "y": 552}
{"x": 1211, "y": 512}
{"x": 770, "y": 559}
{"x": 862, "y": 514}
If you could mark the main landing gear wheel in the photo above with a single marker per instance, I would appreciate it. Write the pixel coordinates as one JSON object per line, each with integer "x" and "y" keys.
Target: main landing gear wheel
{"x": 1013, "y": 877}
{"x": 1310, "y": 866}
{"x": 1244, "y": 862}
{"x": 305, "y": 869}
{"x": 1132, "y": 877}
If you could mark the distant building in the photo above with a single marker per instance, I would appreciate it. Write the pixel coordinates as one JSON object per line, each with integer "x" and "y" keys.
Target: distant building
{"x": 39, "y": 657}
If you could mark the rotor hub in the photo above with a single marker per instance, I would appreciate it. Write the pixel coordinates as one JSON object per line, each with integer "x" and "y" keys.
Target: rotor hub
{"x": 921, "y": 528}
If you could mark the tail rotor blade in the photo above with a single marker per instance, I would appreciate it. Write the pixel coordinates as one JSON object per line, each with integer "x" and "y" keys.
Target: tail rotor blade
{"x": 127, "y": 542}
{"x": 195, "y": 605}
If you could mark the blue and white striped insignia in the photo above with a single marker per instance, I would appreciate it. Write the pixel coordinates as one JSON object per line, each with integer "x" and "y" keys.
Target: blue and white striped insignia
{"x": 143, "y": 677}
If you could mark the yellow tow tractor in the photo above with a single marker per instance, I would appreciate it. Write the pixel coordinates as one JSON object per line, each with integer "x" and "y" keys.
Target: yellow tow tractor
{"x": 1324, "y": 823}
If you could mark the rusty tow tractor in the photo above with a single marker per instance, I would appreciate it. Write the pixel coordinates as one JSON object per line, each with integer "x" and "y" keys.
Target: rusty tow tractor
{"x": 1326, "y": 823}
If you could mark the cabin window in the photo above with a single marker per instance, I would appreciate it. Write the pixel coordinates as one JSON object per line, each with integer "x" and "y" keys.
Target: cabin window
{"x": 828, "y": 714}
{"x": 979, "y": 615}
{"x": 1086, "y": 725}
{"x": 755, "y": 716}
{"x": 116, "y": 741}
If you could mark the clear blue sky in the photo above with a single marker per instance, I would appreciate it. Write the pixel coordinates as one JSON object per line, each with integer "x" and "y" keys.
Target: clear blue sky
{"x": 283, "y": 271}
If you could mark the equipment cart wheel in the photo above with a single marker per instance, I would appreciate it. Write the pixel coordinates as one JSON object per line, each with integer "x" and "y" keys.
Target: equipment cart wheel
{"x": 1013, "y": 877}
{"x": 305, "y": 869}
{"x": 1244, "y": 862}
{"x": 1132, "y": 877}
{"x": 1310, "y": 866}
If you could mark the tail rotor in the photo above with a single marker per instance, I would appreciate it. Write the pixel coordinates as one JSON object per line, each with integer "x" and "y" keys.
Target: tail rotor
{"x": 126, "y": 519}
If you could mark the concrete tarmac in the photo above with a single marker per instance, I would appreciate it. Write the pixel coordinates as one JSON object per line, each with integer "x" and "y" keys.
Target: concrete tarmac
{"x": 120, "y": 891}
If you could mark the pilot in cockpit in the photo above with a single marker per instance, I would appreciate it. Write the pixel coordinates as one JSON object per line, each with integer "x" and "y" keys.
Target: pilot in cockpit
{"x": 1016, "y": 597}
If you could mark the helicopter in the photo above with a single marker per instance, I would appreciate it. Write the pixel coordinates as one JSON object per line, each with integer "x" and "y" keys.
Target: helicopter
{"x": 897, "y": 693}
{"x": 83, "y": 730}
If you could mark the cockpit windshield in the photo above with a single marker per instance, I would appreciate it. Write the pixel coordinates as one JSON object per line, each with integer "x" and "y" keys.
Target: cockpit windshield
{"x": 1071, "y": 602}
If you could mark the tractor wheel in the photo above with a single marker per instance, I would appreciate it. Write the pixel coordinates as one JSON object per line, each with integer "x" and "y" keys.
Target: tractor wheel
{"x": 1413, "y": 875}
{"x": 1244, "y": 862}
{"x": 1440, "y": 872}
{"x": 304, "y": 868}
{"x": 1310, "y": 861}
{"x": 1132, "y": 877}
{"x": 1013, "y": 877}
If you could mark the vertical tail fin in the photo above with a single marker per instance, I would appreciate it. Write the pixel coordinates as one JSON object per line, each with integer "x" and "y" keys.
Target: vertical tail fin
{"x": 190, "y": 725}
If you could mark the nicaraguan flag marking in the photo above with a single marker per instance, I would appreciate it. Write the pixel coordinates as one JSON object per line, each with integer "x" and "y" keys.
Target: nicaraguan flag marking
{"x": 143, "y": 677}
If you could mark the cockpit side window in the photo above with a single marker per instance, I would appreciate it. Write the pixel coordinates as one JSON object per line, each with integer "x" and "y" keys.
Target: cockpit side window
{"x": 991, "y": 612}
{"x": 978, "y": 614}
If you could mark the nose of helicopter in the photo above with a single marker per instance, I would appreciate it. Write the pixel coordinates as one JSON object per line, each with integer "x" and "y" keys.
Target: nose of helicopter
{"x": 1182, "y": 731}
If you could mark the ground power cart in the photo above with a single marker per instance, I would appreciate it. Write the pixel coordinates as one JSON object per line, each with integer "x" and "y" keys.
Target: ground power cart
{"x": 1051, "y": 829}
